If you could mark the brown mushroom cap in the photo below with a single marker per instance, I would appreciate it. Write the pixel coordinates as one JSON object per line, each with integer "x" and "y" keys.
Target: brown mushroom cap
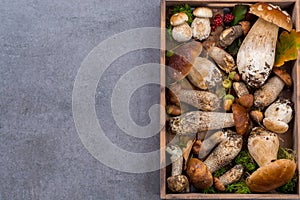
{"x": 203, "y": 12}
{"x": 178, "y": 19}
{"x": 219, "y": 185}
{"x": 177, "y": 183}
{"x": 199, "y": 175}
{"x": 272, "y": 14}
{"x": 181, "y": 63}
{"x": 271, "y": 176}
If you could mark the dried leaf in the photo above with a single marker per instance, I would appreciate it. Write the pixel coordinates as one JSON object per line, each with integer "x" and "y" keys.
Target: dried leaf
{"x": 287, "y": 47}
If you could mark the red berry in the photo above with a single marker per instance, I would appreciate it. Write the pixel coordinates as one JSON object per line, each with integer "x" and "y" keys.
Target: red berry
{"x": 218, "y": 21}
{"x": 228, "y": 18}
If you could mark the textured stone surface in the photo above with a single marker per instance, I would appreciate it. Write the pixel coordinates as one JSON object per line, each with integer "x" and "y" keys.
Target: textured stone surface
{"x": 43, "y": 43}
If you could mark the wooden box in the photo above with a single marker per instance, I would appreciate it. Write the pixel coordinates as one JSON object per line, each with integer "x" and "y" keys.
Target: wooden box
{"x": 293, "y": 7}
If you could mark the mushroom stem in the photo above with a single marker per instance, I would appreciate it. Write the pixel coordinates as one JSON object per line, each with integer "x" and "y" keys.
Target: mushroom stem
{"x": 192, "y": 122}
{"x": 231, "y": 176}
{"x": 256, "y": 55}
{"x": 209, "y": 143}
{"x": 176, "y": 159}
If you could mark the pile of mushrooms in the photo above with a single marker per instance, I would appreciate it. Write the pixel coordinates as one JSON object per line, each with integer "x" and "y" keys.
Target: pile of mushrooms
{"x": 255, "y": 114}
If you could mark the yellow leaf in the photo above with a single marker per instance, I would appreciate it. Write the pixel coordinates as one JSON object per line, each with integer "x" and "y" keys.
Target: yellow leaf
{"x": 287, "y": 47}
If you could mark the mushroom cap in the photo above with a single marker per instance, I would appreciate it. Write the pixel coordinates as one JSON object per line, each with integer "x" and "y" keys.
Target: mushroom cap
{"x": 181, "y": 63}
{"x": 178, "y": 19}
{"x": 271, "y": 176}
{"x": 199, "y": 175}
{"x": 272, "y": 14}
{"x": 275, "y": 126}
{"x": 280, "y": 111}
{"x": 201, "y": 28}
{"x": 203, "y": 12}
{"x": 177, "y": 183}
{"x": 182, "y": 32}
{"x": 219, "y": 185}
{"x": 263, "y": 146}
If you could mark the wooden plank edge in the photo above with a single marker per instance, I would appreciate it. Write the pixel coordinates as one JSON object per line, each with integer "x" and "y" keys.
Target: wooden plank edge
{"x": 162, "y": 101}
{"x": 231, "y": 196}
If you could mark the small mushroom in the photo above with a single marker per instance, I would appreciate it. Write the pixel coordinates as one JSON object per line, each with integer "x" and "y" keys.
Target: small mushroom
{"x": 205, "y": 74}
{"x": 278, "y": 115}
{"x": 225, "y": 152}
{"x": 268, "y": 93}
{"x": 181, "y": 62}
{"x": 255, "y": 58}
{"x": 198, "y": 174}
{"x": 224, "y": 60}
{"x": 241, "y": 119}
{"x": 240, "y": 89}
{"x": 209, "y": 143}
{"x": 263, "y": 146}
{"x": 196, "y": 147}
{"x": 230, "y": 34}
{"x": 176, "y": 182}
{"x": 231, "y": 176}
{"x": 245, "y": 26}
{"x": 201, "y": 24}
{"x": 257, "y": 116}
{"x": 271, "y": 176}
{"x": 181, "y": 31}
{"x": 196, "y": 121}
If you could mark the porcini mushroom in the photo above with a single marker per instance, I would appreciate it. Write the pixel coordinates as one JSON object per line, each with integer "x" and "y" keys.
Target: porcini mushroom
{"x": 268, "y": 93}
{"x": 263, "y": 146}
{"x": 194, "y": 121}
{"x": 181, "y": 62}
{"x": 255, "y": 58}
{"x": 231, "y": 176}
{"x": 225, "y": 152}
{"x": 209, "y": 143}
{"x": 201, "y": 24}
{"x": 198, "y": 174}
{"x": 224, "y": 60}
{"x": 204, "y": 74}
{"x": 278, "y": 115}
{"x": 176, "y": 182}
{"x": 181, "y": 31}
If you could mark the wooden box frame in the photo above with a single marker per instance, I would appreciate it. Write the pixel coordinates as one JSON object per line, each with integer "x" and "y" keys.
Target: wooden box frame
{"x": 296, "y": 100}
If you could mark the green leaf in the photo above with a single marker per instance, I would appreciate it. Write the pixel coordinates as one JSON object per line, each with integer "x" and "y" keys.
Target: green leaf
{"x": 239, "y": 12}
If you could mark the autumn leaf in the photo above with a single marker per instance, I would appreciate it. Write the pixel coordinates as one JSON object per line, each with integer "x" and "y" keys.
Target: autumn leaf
{"x": 287, "y": 47}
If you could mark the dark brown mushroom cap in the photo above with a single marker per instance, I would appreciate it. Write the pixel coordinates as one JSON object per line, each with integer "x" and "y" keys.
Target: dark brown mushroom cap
{"x": 272, "y": 14}
{"x": 181, "y": 63}
{"x": 198, "y": 174}
{"x": 271, "y": 176}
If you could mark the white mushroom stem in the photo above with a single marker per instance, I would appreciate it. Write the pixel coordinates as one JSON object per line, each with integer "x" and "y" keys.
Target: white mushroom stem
{"x": 176, "y": 158}
{"x": 256, "y": 55}
{"x": 209, "y": 143}
{"x": 232, "y": 175}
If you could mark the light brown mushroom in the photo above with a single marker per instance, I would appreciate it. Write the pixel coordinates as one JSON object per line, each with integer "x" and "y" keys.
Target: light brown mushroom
{"x": 201, "y": 24}
{"x": 181, "y": 31}
{"x": 241, "y": 119}
{"x": 271, "y": 176}
{"x": 230, "y": 34}
{"x": 278, "y": 115}
{"x": 255, "y": 58}
{"x": 231, "y": 176}
{"x": 263, "y": 146}
{"x": 198, "y": 174}
{"x": 176, "y": 182}
{"x": 209, "y": 143}
{"x": 225, "y": 152}
{"x": 181, "y": 62}
{"x": 224, "y": 60}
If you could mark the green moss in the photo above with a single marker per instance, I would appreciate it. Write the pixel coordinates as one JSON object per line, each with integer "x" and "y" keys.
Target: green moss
{"x": 247, "y": 161}
{"x": 239, "y": 187}
{"x": 186, "y": 9}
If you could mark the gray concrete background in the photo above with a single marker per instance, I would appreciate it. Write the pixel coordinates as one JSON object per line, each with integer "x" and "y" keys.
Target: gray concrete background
{"x": 43, "y": 43}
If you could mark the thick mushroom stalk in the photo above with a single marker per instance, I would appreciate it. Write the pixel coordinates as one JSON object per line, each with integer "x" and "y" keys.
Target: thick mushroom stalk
{"x": 225, "y": 152}
{"x": 256, "y": 55}
{"x": 176, "y": 182}
{"x": 209, "y": 143}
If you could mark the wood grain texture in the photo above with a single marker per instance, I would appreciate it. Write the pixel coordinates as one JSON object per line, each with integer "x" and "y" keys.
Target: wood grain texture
{"x": 296, "y": 99}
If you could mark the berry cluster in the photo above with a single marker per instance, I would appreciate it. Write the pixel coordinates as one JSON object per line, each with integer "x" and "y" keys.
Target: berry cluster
{"x": 228, "y": 18}
{"x": 218, "y": 20}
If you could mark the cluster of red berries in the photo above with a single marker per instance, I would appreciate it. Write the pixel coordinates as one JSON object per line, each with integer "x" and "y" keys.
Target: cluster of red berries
{"x": 218, "y": 20}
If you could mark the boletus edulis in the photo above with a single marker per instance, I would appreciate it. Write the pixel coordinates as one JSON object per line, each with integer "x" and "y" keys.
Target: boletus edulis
{"x": 255, "y": 58}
